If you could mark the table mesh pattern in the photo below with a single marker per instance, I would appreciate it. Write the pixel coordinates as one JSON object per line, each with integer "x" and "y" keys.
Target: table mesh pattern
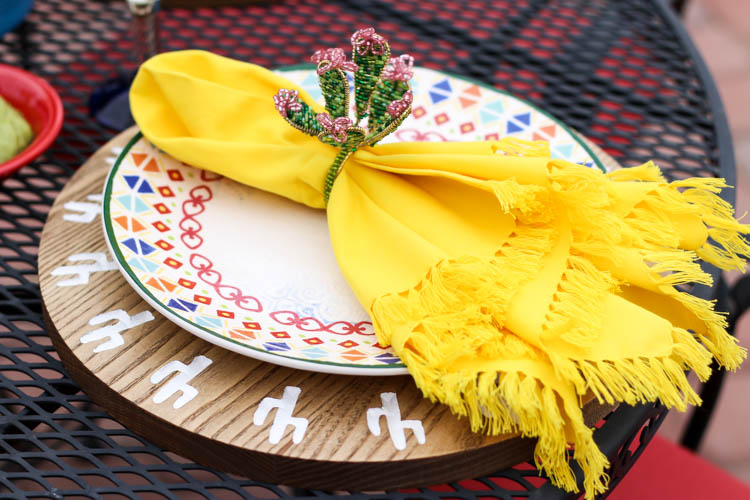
{"x": 613, "y": 70}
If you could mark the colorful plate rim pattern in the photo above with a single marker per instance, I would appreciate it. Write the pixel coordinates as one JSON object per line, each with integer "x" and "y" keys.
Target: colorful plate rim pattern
{"x": 596, "y": 161}
{"x": 252, "y": 351}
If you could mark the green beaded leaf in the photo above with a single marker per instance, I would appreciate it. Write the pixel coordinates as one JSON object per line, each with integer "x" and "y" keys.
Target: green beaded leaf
{"x": 373, "y": 97}
{"x": 353, "y": 133}
{"x": 367, "y": 76}
{"x": 354, "y": 137}
{"x": 327, "y": 138}
{"x": 385, "y": 93}
{"x": 305, "y": 120}
{"x": 335, "y": 88}
{"x": 386, "y": 128}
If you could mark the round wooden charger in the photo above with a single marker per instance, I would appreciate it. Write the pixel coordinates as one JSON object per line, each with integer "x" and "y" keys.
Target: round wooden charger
{"x": 232, "y": 412}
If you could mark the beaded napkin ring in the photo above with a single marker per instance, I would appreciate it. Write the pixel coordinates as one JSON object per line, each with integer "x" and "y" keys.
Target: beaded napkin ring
{"x": 381, "y": 94}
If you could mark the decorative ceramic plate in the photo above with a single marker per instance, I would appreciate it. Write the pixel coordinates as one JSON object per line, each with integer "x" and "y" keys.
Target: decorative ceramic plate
{"x": 267, "y": 285}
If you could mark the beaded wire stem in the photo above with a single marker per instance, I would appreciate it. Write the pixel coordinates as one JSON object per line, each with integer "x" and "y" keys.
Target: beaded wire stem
{"x": 382, "y": 94}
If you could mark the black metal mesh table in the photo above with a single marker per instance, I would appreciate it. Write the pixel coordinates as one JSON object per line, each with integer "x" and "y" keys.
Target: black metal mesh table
{"x": 623, "y": 73}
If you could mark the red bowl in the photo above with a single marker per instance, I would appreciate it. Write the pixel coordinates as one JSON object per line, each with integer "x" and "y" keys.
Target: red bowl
{"x": 39, "y": 104}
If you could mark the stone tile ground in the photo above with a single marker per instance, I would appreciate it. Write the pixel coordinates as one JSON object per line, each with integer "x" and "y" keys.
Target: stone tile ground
{"x": 721, "y": 30}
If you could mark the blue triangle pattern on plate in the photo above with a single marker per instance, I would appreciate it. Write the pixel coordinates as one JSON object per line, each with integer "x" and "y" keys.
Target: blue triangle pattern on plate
{"x": 144, "y": 265}
{"x": 136, "y": 263}
{"x": 437, "y": 97}
{"x": 146, "y": 248}
{"x": 145, "y": 187}
{"x": 176, "y": 305}
{"x": 524, "y": 118}
{"x": 315, "y": 353}
{"x": 513, "y": 127}
{"x": 388, "y": 358}
{"x": 188, "y": 305}
{"x": 131, "y": 244}
{"x": 208, "y": 321}
{"x": 564, "y": 150}
{"x": 140, "y": 206}
{"x": 496, "y": 106}
{"x": 444, "y": 85}
{"x": 126, "y": 201}
{"x": 492, "y": 111}
{"x": 486, "y": 117}
{"x": 277, "y": 346}
{"x": 131, "y": 180}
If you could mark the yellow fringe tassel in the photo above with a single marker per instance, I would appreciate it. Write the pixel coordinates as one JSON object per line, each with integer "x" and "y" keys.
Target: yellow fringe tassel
{"x": 457, "y": 314}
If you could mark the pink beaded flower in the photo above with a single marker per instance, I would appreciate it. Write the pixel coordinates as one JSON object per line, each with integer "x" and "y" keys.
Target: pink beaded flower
{"x": 399, "y": 68}
{"x": 332, "y": 59}
{"x": 286, "y": 99}
{"x": 397, "y": 107}
{"x": 366, "y": 40}
{"x": 337, "y": 128}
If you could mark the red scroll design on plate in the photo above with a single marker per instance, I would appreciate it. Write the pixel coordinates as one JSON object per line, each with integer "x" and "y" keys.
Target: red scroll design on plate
{"x": 190, "y": 236}
{"x": 191, "y": 208}
{"x": 212, "y": 277}
{"x": 308, "y": 324}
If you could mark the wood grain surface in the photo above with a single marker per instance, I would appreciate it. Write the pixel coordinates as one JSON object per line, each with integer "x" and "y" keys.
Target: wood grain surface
{"x": 216, "y": 427}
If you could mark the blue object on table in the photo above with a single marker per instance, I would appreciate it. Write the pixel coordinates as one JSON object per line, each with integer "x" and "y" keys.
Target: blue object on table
{"x": 109, "y": 103}
{"x": 116, "y": 113}
{"x": 12, "y": 13}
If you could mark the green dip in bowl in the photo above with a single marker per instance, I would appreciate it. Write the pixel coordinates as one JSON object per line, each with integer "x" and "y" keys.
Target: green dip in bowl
{"x": 15, "y": 131}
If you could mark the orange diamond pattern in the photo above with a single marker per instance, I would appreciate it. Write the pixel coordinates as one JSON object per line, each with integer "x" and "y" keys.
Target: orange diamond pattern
{"x": 353, "y": 355}
{"x": 129, "y": 223}
{"x": 240, "y": 334}
{"x": 161, "y": 284}
{"x": 469, "y": 97}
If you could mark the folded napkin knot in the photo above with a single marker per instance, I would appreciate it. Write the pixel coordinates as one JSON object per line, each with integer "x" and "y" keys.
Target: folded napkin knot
{"x": 381, "y": 92}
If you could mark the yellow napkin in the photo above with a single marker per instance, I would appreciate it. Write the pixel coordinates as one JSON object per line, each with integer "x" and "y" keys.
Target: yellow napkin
{"x": 509, "y": 283}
